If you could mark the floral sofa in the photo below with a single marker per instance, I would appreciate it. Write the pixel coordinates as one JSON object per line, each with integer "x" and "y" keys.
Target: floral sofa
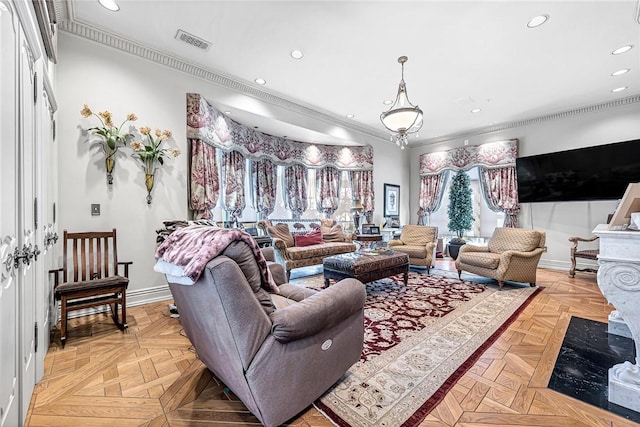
{"x": 302, "y": 250}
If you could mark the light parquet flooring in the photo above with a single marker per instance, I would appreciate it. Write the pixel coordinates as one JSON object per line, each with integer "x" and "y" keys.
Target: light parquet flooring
{"x": 150, "y": 376}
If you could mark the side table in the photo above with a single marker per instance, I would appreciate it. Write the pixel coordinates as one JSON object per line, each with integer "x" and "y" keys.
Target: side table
{"x": 262, "y": 241}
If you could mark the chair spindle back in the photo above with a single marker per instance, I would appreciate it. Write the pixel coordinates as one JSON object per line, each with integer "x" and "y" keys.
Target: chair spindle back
{"x": 89, "y": 255}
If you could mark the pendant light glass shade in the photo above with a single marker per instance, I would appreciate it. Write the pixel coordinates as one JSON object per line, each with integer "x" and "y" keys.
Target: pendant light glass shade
{"x": 402, "y": 118}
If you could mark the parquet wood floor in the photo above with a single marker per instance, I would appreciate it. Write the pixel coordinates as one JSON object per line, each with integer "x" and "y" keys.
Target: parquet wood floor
{"x": 150, "y": 375}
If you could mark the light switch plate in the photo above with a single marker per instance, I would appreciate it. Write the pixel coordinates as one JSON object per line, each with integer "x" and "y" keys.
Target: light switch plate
{"x": 95, "y": 209}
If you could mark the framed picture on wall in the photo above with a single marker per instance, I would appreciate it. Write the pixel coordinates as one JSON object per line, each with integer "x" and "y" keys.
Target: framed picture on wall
{"x": 391, "y": 200}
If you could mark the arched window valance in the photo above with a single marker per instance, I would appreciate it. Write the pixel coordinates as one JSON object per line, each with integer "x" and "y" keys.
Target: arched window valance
{"x": 211, "y": 126}
{"x": 491, "y": 155}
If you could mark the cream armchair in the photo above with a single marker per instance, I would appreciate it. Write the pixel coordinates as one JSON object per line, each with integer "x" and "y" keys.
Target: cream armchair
{"x": 419, "y": 242}
{"x": 511, "y": 254}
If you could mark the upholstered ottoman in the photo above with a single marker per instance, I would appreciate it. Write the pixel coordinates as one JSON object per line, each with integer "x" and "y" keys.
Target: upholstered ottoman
{"x": 365, "y": 267}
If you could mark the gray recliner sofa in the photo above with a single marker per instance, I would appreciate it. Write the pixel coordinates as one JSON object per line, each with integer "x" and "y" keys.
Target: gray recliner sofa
{"x": 277, "y": 352}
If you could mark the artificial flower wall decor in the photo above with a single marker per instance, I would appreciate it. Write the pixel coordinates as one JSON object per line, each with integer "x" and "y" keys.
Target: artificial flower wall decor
{"x": 151, "y": 153}
{"x": 111, "y": 138}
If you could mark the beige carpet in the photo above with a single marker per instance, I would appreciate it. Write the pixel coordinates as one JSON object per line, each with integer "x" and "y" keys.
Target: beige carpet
{"x": 401, "y": 384}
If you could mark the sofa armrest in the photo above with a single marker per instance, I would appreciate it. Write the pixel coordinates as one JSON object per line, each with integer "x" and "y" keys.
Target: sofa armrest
{"x": 349, "y": 237}
{"x": 280, "y": 246}
{"x": 323, "y": 310}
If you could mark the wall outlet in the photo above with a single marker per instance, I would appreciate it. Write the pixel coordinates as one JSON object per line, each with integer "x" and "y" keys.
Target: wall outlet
{"x": 95, "y": 209}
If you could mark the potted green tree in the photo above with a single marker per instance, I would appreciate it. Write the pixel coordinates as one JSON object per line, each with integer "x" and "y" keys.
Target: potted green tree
{"x": 460, "y": 211}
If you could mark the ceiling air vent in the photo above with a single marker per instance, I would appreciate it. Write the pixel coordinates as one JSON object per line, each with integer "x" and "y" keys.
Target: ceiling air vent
{"x": 193, "y": 40}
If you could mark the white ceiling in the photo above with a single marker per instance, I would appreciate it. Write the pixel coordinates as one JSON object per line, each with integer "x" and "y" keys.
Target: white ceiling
{"x": 462, "y": 55}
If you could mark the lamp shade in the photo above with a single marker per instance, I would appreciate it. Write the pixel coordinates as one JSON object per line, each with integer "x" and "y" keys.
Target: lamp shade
{"x": 356, "y": 205}
{"x": 403, "y": 117}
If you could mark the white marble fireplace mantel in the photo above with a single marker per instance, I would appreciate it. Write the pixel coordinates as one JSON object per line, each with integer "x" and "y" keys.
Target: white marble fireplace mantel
{"x": 619, "y": 282}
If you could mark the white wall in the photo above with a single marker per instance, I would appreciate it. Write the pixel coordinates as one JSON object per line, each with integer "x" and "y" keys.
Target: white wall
{"x": 562, "y": 219}
{"x": 105, "y": 78}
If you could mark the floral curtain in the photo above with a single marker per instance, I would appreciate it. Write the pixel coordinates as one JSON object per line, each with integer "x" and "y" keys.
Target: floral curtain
{"x": 500, "y": 188}
{"x": 327, "y": 190}
{"x": 233, "y": 166}
{"x": 431, "y": 192}
{"x": 204, "y": 184}
{"x": 295, "y": 189}
{"x": 263, "y": 178}
{"x": 207, "y": 123}
{"x": 362, "y": 188}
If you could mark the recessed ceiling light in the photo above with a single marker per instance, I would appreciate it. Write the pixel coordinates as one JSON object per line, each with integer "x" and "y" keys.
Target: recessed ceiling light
{"x": 476, "y": 110}
{"x": 110, "y": 4}
{"x": 618, "y": 89}
{"x": 350, "y": 116}
{"x": 227, "y": 112}
{"x": 261, "y": 81}
{"x": 620, "y": 72}
{"x": 537, "y": 21}
{"x": 622, "y": 49}
{"x": 297, "y": 54}
{"x": 387, "y": 102}
{"x": 491, "y": 123}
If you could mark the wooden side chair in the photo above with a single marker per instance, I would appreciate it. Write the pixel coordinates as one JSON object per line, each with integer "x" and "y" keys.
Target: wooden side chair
{"x": 90, "y": 277}
{"x": 590, "y": 254}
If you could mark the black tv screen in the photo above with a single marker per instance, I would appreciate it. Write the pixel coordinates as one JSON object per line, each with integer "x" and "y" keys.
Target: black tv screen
{"x": 594, "y": 173}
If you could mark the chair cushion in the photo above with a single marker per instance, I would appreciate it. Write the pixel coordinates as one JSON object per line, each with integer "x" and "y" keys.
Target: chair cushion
{"x": 414, "y": 251}
{"x": 514, "y": 239}
{"x": 488, "y": 260}
{"x": 312, "y": 238}
{"x": 106, "y": 282}
{"x": 281, "y": 231}
{"x": 588, "y": 254}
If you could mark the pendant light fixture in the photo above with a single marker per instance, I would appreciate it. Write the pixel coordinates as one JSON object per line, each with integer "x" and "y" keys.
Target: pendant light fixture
{"x": 403, "y": 118}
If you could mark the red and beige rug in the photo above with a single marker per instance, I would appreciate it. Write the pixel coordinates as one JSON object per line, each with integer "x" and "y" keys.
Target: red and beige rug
{"x": 419, "y": 340}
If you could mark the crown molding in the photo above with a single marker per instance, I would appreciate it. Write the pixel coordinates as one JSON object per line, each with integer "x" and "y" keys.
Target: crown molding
{"x": 68, "y": 23}
{"x": 634, "y": 99}
{"x": 213, "y": 76}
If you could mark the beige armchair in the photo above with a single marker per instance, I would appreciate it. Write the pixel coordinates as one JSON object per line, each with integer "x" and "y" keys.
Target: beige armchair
{"x": 511, "y": 254}
{"x": 419, "y": 242}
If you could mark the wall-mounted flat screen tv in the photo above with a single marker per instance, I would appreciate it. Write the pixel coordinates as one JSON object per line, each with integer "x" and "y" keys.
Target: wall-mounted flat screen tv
{"x": 602, "y": 172}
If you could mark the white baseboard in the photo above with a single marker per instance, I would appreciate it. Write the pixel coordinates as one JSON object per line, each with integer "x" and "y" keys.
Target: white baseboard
{"x": 563, "y": 265}
{"x": 134, "y": 297}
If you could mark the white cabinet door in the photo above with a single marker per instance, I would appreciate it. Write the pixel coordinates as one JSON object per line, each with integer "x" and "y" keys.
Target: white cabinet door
{"x": 9, "y": 370}
{"x": 28, "y": 239}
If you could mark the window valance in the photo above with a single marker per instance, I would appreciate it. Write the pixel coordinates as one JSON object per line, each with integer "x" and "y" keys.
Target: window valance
{"x": 206, "y": 123}
{"x": 491, "y": 155}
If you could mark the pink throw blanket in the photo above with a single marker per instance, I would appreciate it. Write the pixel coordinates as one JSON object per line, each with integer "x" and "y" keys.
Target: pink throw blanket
{"x": 191, "y": 248}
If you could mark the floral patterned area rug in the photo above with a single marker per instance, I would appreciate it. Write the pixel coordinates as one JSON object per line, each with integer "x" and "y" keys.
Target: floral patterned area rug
{"x": 419, "y": 340}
